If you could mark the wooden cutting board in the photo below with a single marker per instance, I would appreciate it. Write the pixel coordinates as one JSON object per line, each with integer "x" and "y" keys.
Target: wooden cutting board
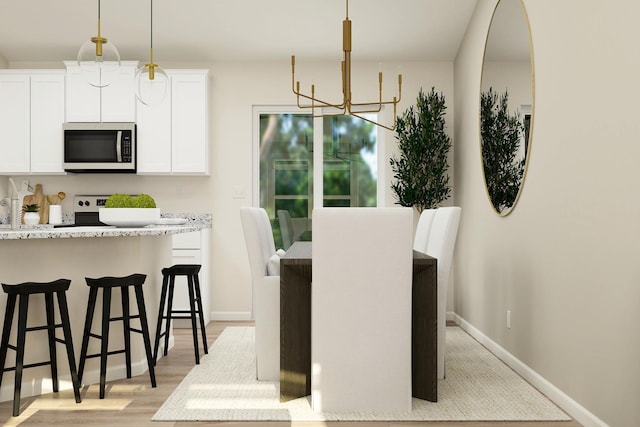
{"x": 41, "y": 200}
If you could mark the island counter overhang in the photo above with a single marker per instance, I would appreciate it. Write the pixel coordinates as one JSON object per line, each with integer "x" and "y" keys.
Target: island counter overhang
{"x": 43, "y": 255}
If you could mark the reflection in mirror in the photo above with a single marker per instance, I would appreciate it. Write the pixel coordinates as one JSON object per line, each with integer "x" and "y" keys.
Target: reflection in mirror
{"x": 506, "y": 104}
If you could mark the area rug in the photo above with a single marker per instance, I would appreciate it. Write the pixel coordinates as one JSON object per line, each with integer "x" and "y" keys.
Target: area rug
{"x": 478, "y": 387}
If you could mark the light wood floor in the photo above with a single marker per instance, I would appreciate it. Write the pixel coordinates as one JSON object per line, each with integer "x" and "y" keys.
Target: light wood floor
{"x": 133, "y": 402}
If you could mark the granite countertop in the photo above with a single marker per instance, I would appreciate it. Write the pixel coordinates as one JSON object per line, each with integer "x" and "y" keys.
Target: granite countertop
{"x": 194, "y": 222}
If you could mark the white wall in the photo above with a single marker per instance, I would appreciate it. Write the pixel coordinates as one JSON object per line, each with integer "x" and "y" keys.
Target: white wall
{"x": 235, "y": 88}
{"x": 565, "y": 260}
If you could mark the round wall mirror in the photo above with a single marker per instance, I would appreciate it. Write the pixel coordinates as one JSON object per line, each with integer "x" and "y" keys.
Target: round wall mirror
{"x": 506, "y": 104}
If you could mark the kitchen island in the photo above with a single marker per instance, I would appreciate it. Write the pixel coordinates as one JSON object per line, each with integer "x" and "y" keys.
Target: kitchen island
{"x": 43, "y": 254}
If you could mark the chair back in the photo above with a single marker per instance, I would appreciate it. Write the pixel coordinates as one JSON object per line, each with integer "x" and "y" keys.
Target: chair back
{"x": 442, "y": 241}
{"x": 421, "y": 239}
{"x": 286, "y": 228}
{"x": 361, "y": 309}
{"x": 258, "y": 236}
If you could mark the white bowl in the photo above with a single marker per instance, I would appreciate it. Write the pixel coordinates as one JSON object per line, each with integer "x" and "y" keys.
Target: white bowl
{"x": 129, "y": 217}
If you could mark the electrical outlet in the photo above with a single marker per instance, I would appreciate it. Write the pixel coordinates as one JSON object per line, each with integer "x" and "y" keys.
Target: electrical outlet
{"x": 508, "y": 319}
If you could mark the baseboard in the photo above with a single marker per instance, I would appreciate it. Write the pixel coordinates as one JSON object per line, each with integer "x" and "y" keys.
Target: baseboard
{"x": 573, "y": 408}
{"x": 231, "y": 316}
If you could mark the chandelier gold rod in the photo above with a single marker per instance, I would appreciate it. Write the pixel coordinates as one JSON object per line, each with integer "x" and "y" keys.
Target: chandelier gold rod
{"x": 346, "y": 106}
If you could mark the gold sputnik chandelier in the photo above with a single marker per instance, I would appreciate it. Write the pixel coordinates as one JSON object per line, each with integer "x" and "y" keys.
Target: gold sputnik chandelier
{"x": 346, "y": 106}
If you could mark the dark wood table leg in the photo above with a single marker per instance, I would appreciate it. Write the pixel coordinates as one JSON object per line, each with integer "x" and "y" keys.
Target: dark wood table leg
{"x": 295, "y": 331}
{"x": 424, "y": 330}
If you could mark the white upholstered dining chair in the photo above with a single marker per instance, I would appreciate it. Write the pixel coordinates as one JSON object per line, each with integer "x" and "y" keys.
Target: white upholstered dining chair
{"x": 266, "y": 292}
{"x": 442, "y": 241}
{"x": 421, "y": 238}
{"x": 361, "y": 309}
{"x": 286, "y": 228}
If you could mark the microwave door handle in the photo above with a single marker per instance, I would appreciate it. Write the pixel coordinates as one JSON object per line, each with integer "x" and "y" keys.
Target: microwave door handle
{"x": 119, "y": 146}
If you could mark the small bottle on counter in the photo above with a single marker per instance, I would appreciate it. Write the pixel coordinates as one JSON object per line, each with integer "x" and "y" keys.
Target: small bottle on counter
{"x": 15, "y": 214}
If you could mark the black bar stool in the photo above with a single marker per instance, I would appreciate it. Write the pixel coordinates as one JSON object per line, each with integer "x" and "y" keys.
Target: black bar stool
{"x": 107, "y": 284}
{"x": 195, "y": 302}
{"x": 24, "y": 290}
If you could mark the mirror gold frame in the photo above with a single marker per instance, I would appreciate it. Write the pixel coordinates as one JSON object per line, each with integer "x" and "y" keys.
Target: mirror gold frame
{"x": 507, "y": 78}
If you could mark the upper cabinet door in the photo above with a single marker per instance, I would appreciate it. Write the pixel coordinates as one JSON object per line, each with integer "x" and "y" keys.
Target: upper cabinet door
{"x": 154, "y": 137}
{"x": 173, "y": 135}
{"x": 189, "y": 124}
{"x": 114, "y": 103}
{"x": 15, "y": 125}
{"x": 83, "y": 100}
{"x": 119, "y": 98}
{"x": 47, "y": 116}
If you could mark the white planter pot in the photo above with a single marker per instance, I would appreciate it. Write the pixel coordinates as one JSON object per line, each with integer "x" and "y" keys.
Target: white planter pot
{"x": 31, "y": 218}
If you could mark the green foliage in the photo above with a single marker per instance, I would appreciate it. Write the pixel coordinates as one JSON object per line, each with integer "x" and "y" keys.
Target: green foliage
{"x": 30, "y": 208}
{"x": 144, "y": 201}
{"x": 119, "y": 201}
{"x": 128, "y": 201}
{"x": 501, "y": 134}
{"x": 421, "y": 170}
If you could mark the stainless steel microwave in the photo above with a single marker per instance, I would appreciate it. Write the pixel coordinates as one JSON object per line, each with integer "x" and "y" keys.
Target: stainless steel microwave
{"x": 99, "y": 147}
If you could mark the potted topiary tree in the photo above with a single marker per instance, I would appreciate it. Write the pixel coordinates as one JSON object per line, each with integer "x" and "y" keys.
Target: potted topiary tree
{"x": 421, "y": 170}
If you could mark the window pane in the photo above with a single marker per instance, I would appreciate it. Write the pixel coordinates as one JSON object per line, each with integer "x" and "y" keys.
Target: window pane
{"x": 337, "y": 203}
{"x": 286, "y": 167}
{"x": 291, "y": 181}
{"x": 336, "y": 182}
{"x": 350, "y": 161}
{"x": 297, "y": 208}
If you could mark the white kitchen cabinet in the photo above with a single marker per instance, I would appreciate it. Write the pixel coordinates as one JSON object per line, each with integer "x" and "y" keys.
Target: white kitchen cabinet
{"x": 173, "y": 137}
{"x": 114, "y": 103}
{"x": 192, "y": 248}
{"x": 15, "y": 125}
{"x": 31, "y": 116}
{"x": 189, "y": 130}
{"x": 47, "y": 116}
{"x": 154, "y": 137}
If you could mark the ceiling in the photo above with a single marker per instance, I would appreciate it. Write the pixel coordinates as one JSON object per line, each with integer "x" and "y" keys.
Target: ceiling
{"x": 235, "y": 30}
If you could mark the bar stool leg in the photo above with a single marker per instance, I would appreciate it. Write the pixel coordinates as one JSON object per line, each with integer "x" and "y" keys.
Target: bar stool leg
{"x": 51, "y": 324}
{"x": 172, "y": 281}
{"x": 194, "y": 329}
{"x": 93, "y": 295}
{"x": 104, "y": 347}
{"x": 163, "y": 296}
{"x": 22, "y": 331}
{"x": 200, "y": 311}
{"x": 66, "y": 329}
{"x": 145, "y": 332}
{"x": 126, "y": 327}
{"x": 6, "y": 332}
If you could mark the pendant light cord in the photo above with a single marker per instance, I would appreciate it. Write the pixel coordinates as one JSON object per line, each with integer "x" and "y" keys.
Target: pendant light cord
{"x": 151, "y": 33}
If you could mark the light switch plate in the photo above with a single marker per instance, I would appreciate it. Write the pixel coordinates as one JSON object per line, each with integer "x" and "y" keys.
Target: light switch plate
{"x": 237, "y": 192}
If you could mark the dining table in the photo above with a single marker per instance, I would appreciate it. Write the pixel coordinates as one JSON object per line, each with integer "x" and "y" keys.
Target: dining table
{"x": 295, "y": 324}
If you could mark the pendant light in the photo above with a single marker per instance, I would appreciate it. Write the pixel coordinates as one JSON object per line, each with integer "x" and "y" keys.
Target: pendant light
{"x": 346, "y": 105}
{"x": 99, "y": 59}
{"x": 151, "y": 81}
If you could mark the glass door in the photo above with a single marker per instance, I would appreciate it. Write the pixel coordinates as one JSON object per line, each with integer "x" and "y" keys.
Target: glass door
{"x": 288, "y": 142}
